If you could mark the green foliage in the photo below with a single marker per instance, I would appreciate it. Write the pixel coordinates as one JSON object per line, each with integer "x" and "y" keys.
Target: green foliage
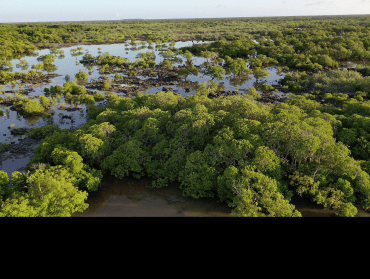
{"x": 73, "y": 88}
{"x": 98, "y": 95}
{"x": 30, "y": 106}
{"x": 257, "y": 195}
{"x": 132, "y": 74}
{"x": 82, "y": 75}
{"x": 49, "y": 194}
{"x": 3, "y": 146}
{"x": 251, "y": 155}
{"x": 92, "y": 147}
{"x": 215, "y": 71}
{"x": 198, "y": 179}
{"x": 45, "y": 102}
{"x": 47, "y": 59}
{"x": 267, "y": 87}
{"x": 86, "y": 98}
{"x": 56, "y": 89}
{"x": 167, "y": 63}
{"x": 260, "y": 73}
{"x": 106, "y": 85}
{"x": 4, "y": 184}
{"x": 252, "y": 93}
{"x": 69, "y": 159}
{"x": 129, "y": 157}
{"x": 187, "y": 71}
{"x": 42, "y": 132}
{"x": 239, "y": 66}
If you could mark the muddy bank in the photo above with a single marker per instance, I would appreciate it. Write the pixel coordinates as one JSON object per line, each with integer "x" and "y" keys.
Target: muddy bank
{"x": 17, "y": 155}
{"x": 153, "y": 77}
{"x": 35, "y": 81}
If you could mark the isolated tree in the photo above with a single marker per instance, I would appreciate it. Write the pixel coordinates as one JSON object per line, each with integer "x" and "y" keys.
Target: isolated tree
{"x": 187, "y": 71}
{"x": 239, "y": 66}
{"x": 82, "y": 75}
{"x": 260, "y": 73}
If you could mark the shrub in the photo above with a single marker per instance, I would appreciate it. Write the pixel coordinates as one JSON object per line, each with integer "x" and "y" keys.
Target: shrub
{"x": 30, "y": 106}
{"x": 267, "y": 87}
{"x": 45, "y": 102}
{"x": 98, "y": 95}
{"x": 82, "y": 75}
{"x": 86, "y": 98}
{"x": 73, "y": 88}
{"x": 107, "y": 85}
{"x": 167, "y": 64}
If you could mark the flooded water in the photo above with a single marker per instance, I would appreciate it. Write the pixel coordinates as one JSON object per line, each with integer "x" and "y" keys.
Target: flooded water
{"x": 64, "y": 66}
{"x": 70, "y": 65}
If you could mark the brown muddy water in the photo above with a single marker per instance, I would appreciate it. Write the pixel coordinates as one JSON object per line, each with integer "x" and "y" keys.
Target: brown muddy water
{"x": 136, "y": 198}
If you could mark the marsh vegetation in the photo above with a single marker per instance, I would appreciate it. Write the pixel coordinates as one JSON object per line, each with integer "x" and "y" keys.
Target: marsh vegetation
{"x": 250, "y": 112}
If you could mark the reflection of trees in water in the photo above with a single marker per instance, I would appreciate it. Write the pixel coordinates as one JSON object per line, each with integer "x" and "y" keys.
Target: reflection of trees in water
{"x": 221, "y": 86}
{"x": 88, "y": 66}
{"x": 23, "y": 64}
{"x": 239, "y": 79}
{"x": 50, "y": 68}
{"x": 189, "y": 63}
{"x": 77, "y": 54}
{"x": 31, "y": 121}
{"x": 187, "y": 85}
{"x": 82, "y": 81}
{"x": 258, "y": 85}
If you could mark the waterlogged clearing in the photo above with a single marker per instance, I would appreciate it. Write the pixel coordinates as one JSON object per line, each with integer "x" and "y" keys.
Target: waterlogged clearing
{"x": 67, "y": 63}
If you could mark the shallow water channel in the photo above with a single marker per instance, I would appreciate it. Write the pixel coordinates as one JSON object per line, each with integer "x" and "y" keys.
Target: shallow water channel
{"x": 136, "y": 198}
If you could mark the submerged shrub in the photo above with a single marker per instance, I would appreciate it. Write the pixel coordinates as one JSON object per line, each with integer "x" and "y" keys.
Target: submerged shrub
{"x": 82, "y": 75}
{"x": 73, "y": 88}
{"x": 107, "y": 85}
{"x": 30, "y": 106}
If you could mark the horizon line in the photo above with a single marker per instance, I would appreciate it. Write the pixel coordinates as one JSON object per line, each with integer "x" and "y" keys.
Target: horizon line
{"x": 143, "y": 19}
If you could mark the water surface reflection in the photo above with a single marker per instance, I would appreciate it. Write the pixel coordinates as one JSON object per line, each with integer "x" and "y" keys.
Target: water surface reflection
{"x": 136, "y": 198}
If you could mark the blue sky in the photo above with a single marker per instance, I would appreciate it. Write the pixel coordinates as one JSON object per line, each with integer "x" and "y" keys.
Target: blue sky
{"x": 80, "y": 10}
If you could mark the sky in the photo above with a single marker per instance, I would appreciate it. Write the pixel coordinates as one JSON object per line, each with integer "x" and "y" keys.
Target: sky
{"x": 89, "y": 10}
